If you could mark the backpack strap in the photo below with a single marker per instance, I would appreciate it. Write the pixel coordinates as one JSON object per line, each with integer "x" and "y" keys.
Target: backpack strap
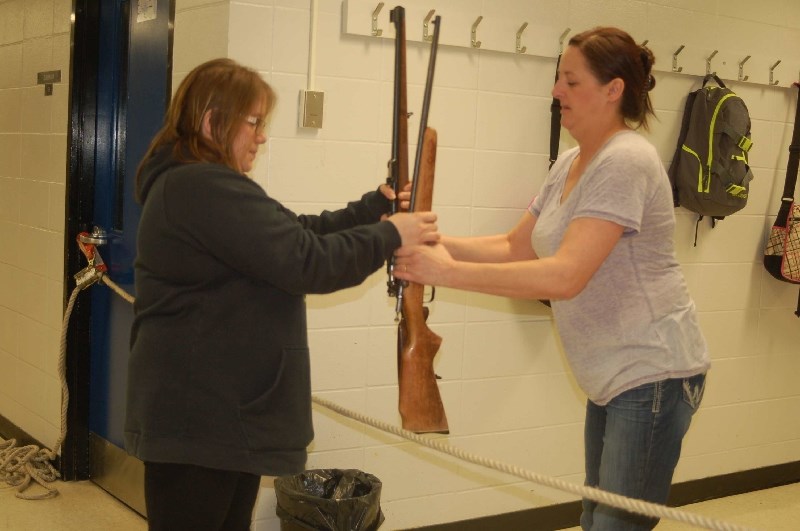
{"x": 791, "y": 177}
{"x": 791, "y": 172}
{"x": 555, "y": 122}
{"x": 555, "y": 137}
{"x": 687, "y": 111}
{"x": 716, "y": 79}
{"x": 787, "y": 199}
{"x": 697, "y": 227}
{"x": 797, "y": 311}
{"x": 744, "y": 143}
{"x": 733, "y": 186}
{"x": 794, "y": 154}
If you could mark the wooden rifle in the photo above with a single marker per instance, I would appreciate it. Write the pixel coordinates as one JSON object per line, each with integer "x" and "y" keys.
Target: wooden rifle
{"x": 420, "y": 403}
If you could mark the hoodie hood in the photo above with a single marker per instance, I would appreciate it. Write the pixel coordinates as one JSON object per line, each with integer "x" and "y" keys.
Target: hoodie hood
{"x": 161, "y": 160}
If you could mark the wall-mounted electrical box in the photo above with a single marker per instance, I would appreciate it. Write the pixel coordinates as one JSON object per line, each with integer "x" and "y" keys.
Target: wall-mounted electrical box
{"x": 311, "y": 106}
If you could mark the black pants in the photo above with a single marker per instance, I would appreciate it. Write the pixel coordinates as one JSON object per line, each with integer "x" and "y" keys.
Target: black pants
{"x": 195, "y": 498}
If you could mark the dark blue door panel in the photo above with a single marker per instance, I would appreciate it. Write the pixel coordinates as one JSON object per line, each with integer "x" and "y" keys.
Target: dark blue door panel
{"x": 133, "y": 93}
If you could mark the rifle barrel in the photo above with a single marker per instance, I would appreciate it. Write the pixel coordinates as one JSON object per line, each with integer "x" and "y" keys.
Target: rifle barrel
{"x": 426, "y": 104}
{"x": 399, "y": 161}
{"x": 398, "y": 164}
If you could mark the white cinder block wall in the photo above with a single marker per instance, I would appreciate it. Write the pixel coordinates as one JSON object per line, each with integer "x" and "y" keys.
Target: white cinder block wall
{"x": 34, "y": 37}
{"x": 506, "y": 387}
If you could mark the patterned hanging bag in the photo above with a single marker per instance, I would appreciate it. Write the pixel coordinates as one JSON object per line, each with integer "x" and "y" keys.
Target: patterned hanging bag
{"x": 782, "y": 254}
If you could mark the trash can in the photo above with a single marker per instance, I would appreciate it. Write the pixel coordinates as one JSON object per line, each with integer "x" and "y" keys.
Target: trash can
{"x": 329, "y": 500}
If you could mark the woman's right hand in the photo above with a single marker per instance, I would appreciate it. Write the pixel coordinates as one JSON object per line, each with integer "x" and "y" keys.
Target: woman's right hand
{"x": 416, "y": 227}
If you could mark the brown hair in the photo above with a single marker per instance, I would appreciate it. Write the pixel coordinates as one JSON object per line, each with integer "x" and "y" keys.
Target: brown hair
{"x": 220, "y": 85}
{"x": 612, "y": 53}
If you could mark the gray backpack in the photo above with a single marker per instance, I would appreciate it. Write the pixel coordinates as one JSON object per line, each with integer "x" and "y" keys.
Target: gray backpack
{"x": 710, "y": 173}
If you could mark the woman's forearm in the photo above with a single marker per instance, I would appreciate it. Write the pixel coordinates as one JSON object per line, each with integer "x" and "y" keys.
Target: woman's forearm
{"x": 513, "y": 246}
{"x": 527, "y": 279}
{"x": 483, "y": 249}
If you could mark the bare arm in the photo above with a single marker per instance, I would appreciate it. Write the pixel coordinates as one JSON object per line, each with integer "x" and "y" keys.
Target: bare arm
{"x": 510, "y": 247}
{"x": 587, "y": 243}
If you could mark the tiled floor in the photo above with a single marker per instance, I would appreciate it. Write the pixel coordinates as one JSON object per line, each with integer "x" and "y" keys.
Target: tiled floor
{"x": 82, "y": 506}
{"x": 776, "y": 509}
{"x": 79, "y": 506}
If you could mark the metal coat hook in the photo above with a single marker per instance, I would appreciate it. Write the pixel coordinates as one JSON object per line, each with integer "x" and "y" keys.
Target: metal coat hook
{"x": 520, "y": 47}
{"x": 675, "y": 67}
{"x": 376, "y": 32}
{"x": 425, "y": 35}
{"x": 561, "y": 40}
{"x": 708, "y": 61}
{"x": 743, "y": 77}
{"x": 771, "y": 70}
{"x": 475, "y": 42}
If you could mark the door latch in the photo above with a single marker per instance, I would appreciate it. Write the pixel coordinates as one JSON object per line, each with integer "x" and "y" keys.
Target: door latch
{"x": 97, "y": 237}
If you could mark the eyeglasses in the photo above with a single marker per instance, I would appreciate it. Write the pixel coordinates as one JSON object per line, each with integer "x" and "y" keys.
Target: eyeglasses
{"x": 256, "y": 122}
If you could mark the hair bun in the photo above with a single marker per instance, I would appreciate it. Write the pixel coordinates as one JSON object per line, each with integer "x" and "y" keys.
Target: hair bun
{"x": 647, "y": 58}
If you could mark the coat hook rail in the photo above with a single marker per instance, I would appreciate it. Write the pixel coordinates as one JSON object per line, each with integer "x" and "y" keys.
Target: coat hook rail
{"x": 743, "y": 77}
{"x": 376, "y": 32}
{"x": 561, "y": 40}
{"x": 520, "y": 48}
{"x": 771, "y": 72}
{"x": 675, "y": 67}
{"x": 708, "y": 61}
{"x": 426, "y": 36}
{"x": 475, "y": 42}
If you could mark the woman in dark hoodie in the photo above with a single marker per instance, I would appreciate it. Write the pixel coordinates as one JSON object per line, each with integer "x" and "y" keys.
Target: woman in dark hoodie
{"x": 219, "y": 389}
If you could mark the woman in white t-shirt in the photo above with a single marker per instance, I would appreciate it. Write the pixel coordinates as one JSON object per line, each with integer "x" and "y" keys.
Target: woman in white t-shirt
{"x": 598, "y": 242}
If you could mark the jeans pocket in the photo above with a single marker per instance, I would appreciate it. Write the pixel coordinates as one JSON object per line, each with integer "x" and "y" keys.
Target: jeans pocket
{"x": 693, "y": 389}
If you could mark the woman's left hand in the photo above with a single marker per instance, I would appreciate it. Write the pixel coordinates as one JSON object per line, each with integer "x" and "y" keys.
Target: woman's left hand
{"x": 404, "y": 196}
{"x": 387, "y": 191}
{"x": 389, "y": 194}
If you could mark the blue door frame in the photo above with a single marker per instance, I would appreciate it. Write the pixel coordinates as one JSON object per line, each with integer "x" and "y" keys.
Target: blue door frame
{"x": 120, "y": 88}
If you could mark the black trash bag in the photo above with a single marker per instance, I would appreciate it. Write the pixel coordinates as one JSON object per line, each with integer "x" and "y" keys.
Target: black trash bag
{"x": 329, "y": 500}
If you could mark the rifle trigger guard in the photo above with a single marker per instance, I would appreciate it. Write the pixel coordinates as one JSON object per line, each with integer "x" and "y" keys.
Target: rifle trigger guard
{"x": 433, "y": 295}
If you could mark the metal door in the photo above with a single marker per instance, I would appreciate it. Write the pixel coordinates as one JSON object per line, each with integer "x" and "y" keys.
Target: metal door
{"x": 132, "y": 84}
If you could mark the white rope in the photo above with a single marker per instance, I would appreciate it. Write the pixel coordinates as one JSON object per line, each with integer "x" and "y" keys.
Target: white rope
{"x": 62, "y": 369}
{"x": 116, "y": 289}
{"x": 19, "y": 466}
{"x": 594, "y": 494}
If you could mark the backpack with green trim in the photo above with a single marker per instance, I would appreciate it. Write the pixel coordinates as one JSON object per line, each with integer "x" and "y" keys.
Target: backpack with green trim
{"x": 710, "y": 172}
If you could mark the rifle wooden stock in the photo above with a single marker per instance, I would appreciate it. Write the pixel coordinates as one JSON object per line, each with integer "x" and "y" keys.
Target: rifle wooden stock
{"x": 421, "y": 405}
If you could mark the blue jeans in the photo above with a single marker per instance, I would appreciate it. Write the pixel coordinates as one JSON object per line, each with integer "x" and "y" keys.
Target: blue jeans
{"x": 632, "y": 446}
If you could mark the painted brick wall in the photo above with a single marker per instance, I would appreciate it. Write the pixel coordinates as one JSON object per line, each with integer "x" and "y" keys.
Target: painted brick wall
{"x": 34, "y": 37}
{"x": 506, "y": 386}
